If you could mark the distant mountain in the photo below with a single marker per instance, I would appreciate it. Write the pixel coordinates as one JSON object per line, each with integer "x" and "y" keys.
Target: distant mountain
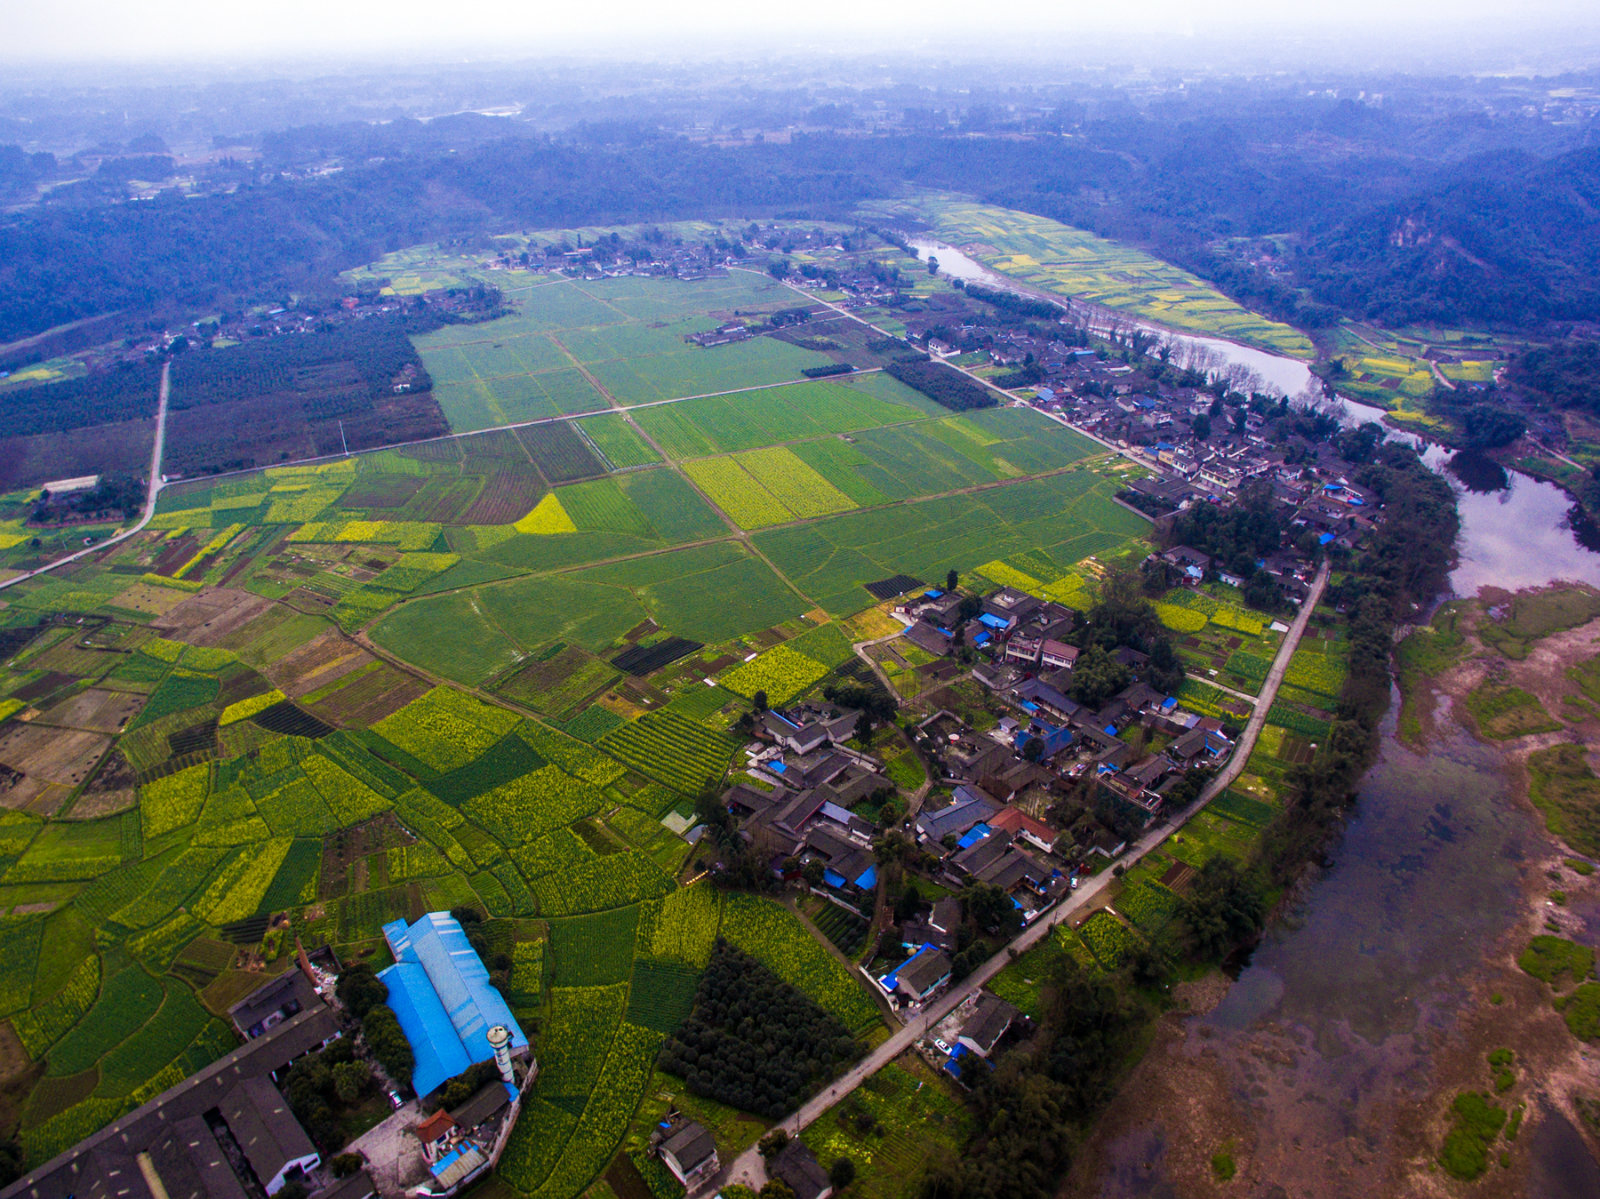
{"x": 1503, "y": 238}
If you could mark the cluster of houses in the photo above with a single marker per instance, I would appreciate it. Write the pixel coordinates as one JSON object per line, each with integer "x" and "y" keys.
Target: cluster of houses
{"x": 1025, "y": 661}
{"x": 689, "y": 1151}
{"x": 812, "y": 779}
{"x": 1016, "y": 818}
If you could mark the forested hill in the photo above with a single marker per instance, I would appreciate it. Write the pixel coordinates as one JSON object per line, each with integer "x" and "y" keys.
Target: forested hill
{"x": 1370, "y": 227}
{"x": 1504, "y": 239}
{"x": 60, "y": 264}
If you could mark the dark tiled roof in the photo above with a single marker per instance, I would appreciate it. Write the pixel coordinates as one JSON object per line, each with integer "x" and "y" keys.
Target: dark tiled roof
{"x": 66, "y": 1174}
{"x": 691, "y": 1145}
{"x": 489, "y": 1100}
{"x": 800, "y": 1169}
{"x": 259, "y": 1118}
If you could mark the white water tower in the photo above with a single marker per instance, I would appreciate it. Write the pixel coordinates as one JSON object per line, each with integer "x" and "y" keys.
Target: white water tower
{"x": 500, "y": 1041}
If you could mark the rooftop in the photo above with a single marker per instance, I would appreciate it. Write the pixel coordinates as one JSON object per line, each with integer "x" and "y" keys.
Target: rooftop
{"x": 441, "y": 994}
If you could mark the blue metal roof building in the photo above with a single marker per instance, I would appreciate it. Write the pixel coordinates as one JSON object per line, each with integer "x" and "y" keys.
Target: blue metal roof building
{"x": 440, "y": 992}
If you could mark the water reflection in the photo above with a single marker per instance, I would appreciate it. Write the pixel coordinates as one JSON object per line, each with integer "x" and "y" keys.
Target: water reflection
{"x": 1478, "y": 473}
{"x": 1516, "y": 531}
{"x": 1288, "y": 376}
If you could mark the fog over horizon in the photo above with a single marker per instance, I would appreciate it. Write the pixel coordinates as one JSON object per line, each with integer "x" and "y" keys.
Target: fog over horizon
{"x": 1538, "y": 36}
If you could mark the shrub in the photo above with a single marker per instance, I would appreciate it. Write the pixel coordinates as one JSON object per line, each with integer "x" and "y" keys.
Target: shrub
{"x": 1477, "y": 1123}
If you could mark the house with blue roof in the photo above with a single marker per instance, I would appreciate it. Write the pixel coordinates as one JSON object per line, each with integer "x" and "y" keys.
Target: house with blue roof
{"x": 920, "y": 975}
{"x": 440, "y": 992}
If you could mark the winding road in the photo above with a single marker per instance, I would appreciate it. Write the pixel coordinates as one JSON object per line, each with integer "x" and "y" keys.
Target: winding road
{"x": 152, "y": 493}
{"x": 749, "y": 1169}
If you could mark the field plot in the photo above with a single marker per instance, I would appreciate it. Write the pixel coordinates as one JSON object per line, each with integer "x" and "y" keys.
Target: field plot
{"x": 1068, "y": 517}
{"x": 618, "y": 442}
{"x": 770, "y": 416}
{"x": 1071, "y": 262}
{"x": 626, "y": 333}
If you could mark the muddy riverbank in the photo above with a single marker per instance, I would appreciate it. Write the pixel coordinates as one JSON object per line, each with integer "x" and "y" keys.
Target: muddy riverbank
{"x": 1329, "y": 1067}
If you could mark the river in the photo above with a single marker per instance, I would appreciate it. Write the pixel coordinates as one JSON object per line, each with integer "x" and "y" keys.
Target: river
{"x": 1514, "y": 536}
{"x": 1286, "y": 375}
{"x": 1330, "y": 1030}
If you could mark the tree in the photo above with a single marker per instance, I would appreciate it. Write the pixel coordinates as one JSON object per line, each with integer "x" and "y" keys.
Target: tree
{"x": 1201, "y": 425}
{"x": 989, "y": 907}
{"x": 842, "y": 1173}
{"x": 388, "y": 1043}
{"x": 951, "y": 579}
{"x": 350, "y": 1079}
{"x": 1225, "y": 907}
{"x": 11, "y": 1162}
{"x": 773, "y": 1143}
{"x": 359, "y": 989}
{"x": 759, "y": 701}
{"x": 1097, "y": 677}
{"x": 1489, "y": 428}
{"x": 776, "y": 1189}
{"x": 346, "y": 1164}
{"x": 1033, "y": 749}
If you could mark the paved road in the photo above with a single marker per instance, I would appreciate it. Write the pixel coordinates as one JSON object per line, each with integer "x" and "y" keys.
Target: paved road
{"x": 152, "y": 493}
{"x": 748, "y": 1167}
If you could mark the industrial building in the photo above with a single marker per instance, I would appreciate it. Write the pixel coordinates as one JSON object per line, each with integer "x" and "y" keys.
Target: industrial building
{"x": 440, "y": 992}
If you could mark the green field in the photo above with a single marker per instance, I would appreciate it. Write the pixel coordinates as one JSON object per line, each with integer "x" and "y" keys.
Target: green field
{"x": 574, "y": 346}
{"x": 384, "y": 684}
{"x": 1071, "y": 262}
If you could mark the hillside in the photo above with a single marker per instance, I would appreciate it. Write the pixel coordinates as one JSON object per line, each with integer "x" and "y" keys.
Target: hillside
{"x": 1506, "y": 239}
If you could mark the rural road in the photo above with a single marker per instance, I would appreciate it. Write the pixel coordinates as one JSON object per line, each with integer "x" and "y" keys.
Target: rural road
{"x": 152, "y": 493}
{"x": 749, "y": 1169}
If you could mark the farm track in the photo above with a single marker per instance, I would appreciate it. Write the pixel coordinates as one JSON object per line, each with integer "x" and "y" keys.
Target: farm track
{"x": 560, "y": 418}
{"x": 152, "y": 493}
{"x": 1252, "y": 700}
{"x": 748, "y": 1168}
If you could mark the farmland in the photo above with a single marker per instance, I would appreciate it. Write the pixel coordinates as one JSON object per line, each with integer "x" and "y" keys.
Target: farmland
{"x": 487, "y": 671}
{"x": 1072, "y": 262}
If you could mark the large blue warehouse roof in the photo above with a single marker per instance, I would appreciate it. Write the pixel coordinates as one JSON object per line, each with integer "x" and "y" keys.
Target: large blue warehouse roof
{"x": 441, "y": 994}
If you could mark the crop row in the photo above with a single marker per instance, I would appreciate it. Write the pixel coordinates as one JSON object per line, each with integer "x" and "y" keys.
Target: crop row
{"x": 1321, "y": 673}
{"x": 527, "y": 971}
{"x": 601, "y": 882}
{"x": 236, "y": 891}
{"x": 181, "y": 879}
{"x": 774, "y": 937}
{"x": 1237, "y": 619}
{"x": 535, "y": 804}
{"x": 686, "y": 926}
{"x": 750, "y": 505}
{"x": 664, "y": 745}
{"x": 44, "y": 1024}
{"x": 1108, "y": 938}
{"x": 595, "y": 949}
{"x": 446, "y": 728}
{"x": 794, "y": 484}
{"x": 781, "y": 672}
{"x": 1180, "y": 619}
{"x": 350, "y": 800}
{"x": 607, "y": 1114}
{"x": 575, "y": 757}
{"x": 1148, "y": 905}
{"x": 546, "y": 518}
{"x": 575, "y": 1037}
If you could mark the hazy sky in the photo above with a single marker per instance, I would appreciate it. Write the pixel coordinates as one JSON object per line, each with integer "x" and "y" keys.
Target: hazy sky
{"x": 34, "y": 30}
